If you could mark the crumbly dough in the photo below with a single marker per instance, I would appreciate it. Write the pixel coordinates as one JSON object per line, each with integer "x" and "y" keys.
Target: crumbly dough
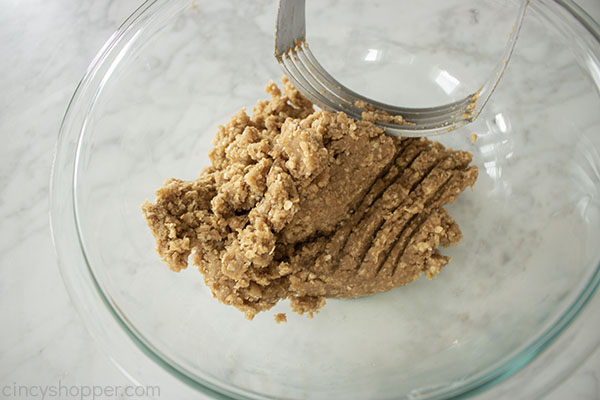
{"x": 281, "y": 317}
{"x": 373, "y": 114}
{"x": 306, "y": 204}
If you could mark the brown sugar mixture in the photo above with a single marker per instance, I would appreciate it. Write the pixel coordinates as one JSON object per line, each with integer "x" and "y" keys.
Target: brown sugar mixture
{"x": 306, "y": 204}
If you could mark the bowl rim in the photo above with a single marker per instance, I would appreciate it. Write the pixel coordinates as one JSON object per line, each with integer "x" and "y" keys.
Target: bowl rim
{"x": 481, "y": 382}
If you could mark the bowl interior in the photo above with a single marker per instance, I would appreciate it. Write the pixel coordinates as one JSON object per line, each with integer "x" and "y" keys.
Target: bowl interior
{"x": 531, "y": 226}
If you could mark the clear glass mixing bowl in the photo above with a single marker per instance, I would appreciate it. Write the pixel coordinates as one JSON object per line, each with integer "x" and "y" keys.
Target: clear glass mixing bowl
{"x": 529, "y": 261}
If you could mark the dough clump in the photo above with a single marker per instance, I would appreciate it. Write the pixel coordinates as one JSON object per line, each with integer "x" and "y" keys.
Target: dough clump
{"x": 304, "y": 204}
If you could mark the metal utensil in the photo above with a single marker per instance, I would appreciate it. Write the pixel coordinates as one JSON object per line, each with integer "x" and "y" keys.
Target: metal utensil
{"x": 314, "y": 82}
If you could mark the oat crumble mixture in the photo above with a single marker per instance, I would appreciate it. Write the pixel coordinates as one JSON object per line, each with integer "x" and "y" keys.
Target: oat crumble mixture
{"x": 304, "y": 204}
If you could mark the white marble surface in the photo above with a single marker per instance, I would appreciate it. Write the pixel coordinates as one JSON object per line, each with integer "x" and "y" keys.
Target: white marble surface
{"x": 46, "y": 47}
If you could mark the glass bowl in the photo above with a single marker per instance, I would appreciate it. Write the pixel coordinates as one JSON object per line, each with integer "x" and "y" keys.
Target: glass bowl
{"x": 151, "y": 102}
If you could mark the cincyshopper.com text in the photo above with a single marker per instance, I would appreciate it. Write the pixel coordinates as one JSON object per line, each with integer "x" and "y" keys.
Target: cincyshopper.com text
{"x": 81, "y": 392}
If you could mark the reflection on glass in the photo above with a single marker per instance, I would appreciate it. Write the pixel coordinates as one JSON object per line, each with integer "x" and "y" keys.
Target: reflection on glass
{"x": 501, "y": 123}
{"x": 492, "y": 169}
{"x": 446, "y": 81}
{"x": 373, "y": 55}
{"x": 594, "y": 69}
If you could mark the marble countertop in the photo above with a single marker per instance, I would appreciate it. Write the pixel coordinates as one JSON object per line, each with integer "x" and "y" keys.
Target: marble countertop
{"x": 46, "y": 48}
